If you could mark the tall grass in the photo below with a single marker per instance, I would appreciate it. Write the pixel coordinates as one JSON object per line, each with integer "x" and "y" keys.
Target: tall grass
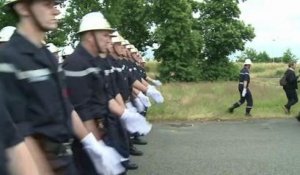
{"x": 210, "y": 100}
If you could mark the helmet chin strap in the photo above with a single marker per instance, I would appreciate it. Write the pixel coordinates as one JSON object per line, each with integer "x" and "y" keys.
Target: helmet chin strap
{"x": 96, "y": 42}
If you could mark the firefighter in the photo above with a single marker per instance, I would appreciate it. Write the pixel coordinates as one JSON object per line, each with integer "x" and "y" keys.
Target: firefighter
{"x": 38, "y": 102}
{"x": 243, "y": 87}
{"x": 92, "y": 92}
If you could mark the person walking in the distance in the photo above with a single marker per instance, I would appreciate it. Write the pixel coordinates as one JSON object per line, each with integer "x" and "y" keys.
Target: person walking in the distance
{"x": 244, "y": 90}
{"x": 290, "y": 87}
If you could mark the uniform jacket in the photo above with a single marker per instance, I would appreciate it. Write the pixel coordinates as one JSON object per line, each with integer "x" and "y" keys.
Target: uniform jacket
{"x": 37, "y": 103}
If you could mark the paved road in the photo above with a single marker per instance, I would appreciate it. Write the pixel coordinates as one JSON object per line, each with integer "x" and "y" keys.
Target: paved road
{"x": 258, "y": 147}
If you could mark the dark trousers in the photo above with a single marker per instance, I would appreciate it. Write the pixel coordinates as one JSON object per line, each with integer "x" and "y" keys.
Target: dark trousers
{"x": 83, "y": 162}
{"x": 248, "y": 98}
{"x": 292, "y": 97}
{"x": 116, "y": 135}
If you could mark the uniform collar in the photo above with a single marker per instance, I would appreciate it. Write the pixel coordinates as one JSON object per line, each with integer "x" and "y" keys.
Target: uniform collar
{"x": 291, "y": 69}
{"x": 22, "y": 44}
{"x": 82, "y": 51}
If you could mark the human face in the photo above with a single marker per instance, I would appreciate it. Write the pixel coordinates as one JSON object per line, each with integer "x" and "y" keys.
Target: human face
{"x": 119, "y": 49}
{"x": 45, "y": 13}
{"x": 103, "y": 40}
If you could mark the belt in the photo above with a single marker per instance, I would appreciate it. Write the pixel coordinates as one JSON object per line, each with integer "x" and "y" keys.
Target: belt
{"x": 55, "y": 148}
{"x": 241, "y": 82}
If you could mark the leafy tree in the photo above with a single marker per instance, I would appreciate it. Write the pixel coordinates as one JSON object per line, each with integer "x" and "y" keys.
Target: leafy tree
{"x": 288, "y": 56}
{"x": 132, "y": 19}
{"x": 222, "y": 31}
{"x": 129, "y": 17}
{"x": 179, "y": 44}
{"x": 249, "y": 53}
{"x": 69, "y": 25}
{"x": 263, "y": 57}
{"x": 7, "y": 18}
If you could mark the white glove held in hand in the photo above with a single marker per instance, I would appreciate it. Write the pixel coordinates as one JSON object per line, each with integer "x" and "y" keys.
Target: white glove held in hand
{"x": 139, "y": 105}
{"x": 244, "y": 92}
{"x": 101, "y": 157}
{"x": 135, "y": 123}
{"x": 130, "y": 107}
{"x": 156, "y": 82}
{"x": 154, "y": 94}
{"x": 115, "y": 158}
{"x": 144, "y": 99}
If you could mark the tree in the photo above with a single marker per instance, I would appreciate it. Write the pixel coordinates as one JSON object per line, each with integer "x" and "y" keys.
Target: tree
{"x": 179, "y": 44}
{"x": 132, "y": 19}
{"x": 69, "y": 25}
{"x": 249, "y": 53}
{"x": 263, "y": 57}
{"x": 7, "y": 18}
{"x": 288, "y": 56}
{"x": 222, "y": 31}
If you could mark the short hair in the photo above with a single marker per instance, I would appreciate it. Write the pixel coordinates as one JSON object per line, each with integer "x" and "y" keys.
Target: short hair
{"x": 291, "y": 63}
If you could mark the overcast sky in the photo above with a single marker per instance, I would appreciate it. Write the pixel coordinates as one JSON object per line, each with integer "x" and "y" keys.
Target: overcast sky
{"x": 276, "y": 23}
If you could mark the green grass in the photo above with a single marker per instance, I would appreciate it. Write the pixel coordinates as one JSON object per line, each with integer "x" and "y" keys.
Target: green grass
{"x": 210, "y": 100}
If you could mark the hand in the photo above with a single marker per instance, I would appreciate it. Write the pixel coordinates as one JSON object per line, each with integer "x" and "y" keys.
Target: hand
{"x": 244, "y": 92}
{"x": 155, "y": 94}
{"x": 105, "y": 162}
{"x": 144, "y": 99}
{"x": 130, "y": 107}
{"x": 139, "y": 105}
{"x": 113, "y": 157}
{"x": 156, "y": 82}
{"x": 135, "y": 123}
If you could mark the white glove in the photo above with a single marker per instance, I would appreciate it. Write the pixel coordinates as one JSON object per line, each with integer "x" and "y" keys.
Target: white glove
{"x": 244, "y": 92}
{"x": 135, "y": 123}
{"x": 130, "y": 107}
{"x": 101, "y": 157}
{"x": 156, "y": 82}
{"x": 144, "y": 99}
{"x": 139, "y": 105}
{"x": 115, "y": 158}
{"x": 155, "y": 94}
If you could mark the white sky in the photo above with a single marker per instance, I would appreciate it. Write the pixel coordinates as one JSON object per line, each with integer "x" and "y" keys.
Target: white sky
{"x": 276, "y": 23}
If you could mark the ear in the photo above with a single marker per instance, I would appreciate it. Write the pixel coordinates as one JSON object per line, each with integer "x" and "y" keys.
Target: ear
{"x": 21, "y": 9}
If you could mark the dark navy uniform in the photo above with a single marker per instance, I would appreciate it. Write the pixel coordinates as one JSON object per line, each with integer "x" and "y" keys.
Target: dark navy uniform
{"x": 116, "y": 135}
{"x": 83, "y": 84}
{"x": 244, "y": 76}
{"x": 90, "y": 88}
{"x": 9, "y": 136}
{"x": 37, "y": 99}
{"x": 291, "y": 88}
{"x": 121, "y": 78}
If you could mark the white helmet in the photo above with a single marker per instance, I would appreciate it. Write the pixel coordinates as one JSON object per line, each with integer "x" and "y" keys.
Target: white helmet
{"x": 9, "y": 2}
{"x": 134, "y": 50}
{"x": 115, "y": 34}
{"x": 94, "y": 21}
{"x": 126, "y": 42}
{"x": 248, "y": 61}
{"x": 6, "y": 33}
{"x": 116, "y": 37}
{"x": 52, "y": 48}
{"x": 129, "y": 46}
{"x": 68, "y": 50}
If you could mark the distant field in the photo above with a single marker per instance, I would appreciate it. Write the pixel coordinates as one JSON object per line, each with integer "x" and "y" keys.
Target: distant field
{"x": 209, "y": 101}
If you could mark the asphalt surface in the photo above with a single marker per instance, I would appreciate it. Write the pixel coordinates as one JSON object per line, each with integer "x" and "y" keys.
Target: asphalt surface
{"x": 256, "y": 147}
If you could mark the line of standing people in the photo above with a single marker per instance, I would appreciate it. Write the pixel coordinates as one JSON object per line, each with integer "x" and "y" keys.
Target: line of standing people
{"x": 79, "y": 117}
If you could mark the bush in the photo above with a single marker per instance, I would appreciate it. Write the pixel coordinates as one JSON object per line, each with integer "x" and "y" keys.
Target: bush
{"x": 222, "y": 70}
